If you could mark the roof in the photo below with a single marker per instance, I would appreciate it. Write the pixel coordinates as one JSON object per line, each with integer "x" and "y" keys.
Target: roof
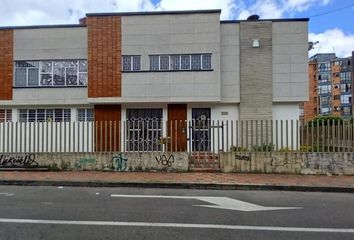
{"x": 154, "y": 13}
{"x": 269, "y": 20}
{"x": 150, "y": 13}
{"x": 43, "y": 26}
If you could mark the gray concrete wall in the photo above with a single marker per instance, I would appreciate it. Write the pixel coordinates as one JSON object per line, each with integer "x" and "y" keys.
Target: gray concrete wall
{"x": 230, "y": 62}
{"x": 256, "y": 85}
{"x": 171, "y": 34}
{"x": 290, "y": 57}
{"x": 49, "y": 96}
{"x": 288, "y": 162}
{"x": 175, "y": 161}
{"x": 50, "y": 43}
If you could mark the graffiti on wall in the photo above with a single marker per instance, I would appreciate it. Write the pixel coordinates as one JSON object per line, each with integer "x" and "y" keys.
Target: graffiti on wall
{"x": 164, "y": 160}
{"x": 244, "y": 157}
{"x": 18, "y": 161}
{"x": 82, "y": 162}
{"x": 120, "y": 163}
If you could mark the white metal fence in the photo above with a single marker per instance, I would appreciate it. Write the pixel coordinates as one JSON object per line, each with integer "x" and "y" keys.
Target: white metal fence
{"x": 191, "y": 136}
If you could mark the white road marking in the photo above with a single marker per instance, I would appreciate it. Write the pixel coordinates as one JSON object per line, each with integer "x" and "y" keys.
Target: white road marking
{"x": 7, "y": 194}
{"x": 178, "y": 225}
{"x": 220, "y": 202}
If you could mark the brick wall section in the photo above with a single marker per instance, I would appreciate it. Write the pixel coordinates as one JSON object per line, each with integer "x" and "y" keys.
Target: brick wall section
{"x": 311, "y": 106}
{"x": 6, "y": 64}
{"x": 104, "y": 56}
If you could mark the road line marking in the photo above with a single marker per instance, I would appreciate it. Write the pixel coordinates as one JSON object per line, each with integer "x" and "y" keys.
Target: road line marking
{"x": 7, "y": 194}
{"x": 178, "y": 225}
{"x": 218, "y": 202}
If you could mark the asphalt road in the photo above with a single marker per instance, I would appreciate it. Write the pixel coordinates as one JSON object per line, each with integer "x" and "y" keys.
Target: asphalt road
{"x": 33, "y": 213}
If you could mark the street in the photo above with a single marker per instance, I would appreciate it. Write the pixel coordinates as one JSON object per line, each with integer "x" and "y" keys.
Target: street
{"x": 140, "y": 213}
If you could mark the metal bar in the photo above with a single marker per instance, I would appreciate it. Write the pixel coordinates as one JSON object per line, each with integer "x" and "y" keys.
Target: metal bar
{"x": 25, "y": 142}
{"x": 276, "y": 135}
{"x": 318, "y": 136}
{"x": 292, "y": 134}
{"x": 105, "y": 136}
{"x": 272, "y": 134}
{"x": 297, "y": 135}
{"x": 74, "y": 138}
{"x": 252, "y": 143}
{"x": 262, "y": 140}
{"x": 115, "y": 136}
{"x": 282, "y": 134}
{"x": 110, "y": 136}
{"x": 16, "y": 137}
{"x": 227, "y": 135}
{"x": 287, "y": 134}
{"x": 78, "y": 124}
{"x": 237, "y": 133}
{"x": 312, "y": 133}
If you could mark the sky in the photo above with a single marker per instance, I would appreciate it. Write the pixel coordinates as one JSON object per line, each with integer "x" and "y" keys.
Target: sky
{"x": 331, "y": 21}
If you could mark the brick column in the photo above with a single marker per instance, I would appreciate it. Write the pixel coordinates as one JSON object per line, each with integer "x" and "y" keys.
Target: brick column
{"x": 6, "y": 64}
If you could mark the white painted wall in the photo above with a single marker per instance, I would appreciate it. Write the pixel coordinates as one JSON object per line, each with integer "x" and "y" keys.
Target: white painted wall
{"x": 290, "y": 57}
{"x": 48, "y": 96}
{"x": 286, "y": 115}
{"x": 230, "y": 62}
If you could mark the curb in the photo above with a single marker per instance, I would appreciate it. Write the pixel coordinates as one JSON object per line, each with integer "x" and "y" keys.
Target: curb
{"x": 206, "y": 186}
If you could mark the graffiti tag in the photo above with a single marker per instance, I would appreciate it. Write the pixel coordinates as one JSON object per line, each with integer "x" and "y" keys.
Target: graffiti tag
{"x": 27, "y": 160}
{"x": 164, "y": 160}
{"x": 120, "y": 163}
{"x": 242, "y": 157}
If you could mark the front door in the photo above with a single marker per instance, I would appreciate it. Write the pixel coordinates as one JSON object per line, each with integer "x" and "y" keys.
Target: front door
{"x": 177, "y": 127}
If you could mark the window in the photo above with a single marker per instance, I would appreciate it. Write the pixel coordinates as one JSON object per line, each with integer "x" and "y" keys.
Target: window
{"x": 346, "y": 99}
{"x": 144, "y": 129}
{"x": 185, "y": 62}
{"x": 345, "y": 87}
{"x": 206, "y": 61}
{"x": 5, "y": 115}
{"x": 323, "y": 78}
{"x": 324, "y": 67}
{"x": 154, "y": 62}
{"x": 50, "y": 73}
{"x": 131, "y": 63}
{"x": 85, "y": 115}
{"x": 345, "y": 76}
{"x": 180, "y": 62}
{"x": 196, "y": 62}
{"x": 324, "y": 89}
{"x": 325, "y": 100}
{"x": 164, "y": 62}
{"x": 175, "y": 62}
{"x": 45, "y": 115}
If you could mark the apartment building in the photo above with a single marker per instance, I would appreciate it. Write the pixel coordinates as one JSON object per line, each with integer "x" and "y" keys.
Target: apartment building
{"x": 330, "y": 87}
{"x": 164, "y": 66}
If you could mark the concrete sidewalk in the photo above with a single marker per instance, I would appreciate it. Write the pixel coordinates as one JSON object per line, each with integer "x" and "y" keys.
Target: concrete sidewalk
{"x": 181, "y": 180}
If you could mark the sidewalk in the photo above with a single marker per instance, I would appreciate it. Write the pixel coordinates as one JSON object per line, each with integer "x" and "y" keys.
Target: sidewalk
{"x": 181, "y": 180}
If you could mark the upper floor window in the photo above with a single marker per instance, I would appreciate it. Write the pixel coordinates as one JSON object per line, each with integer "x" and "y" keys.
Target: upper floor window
{"x": 45, "y": 115}
{"x": 85, "y": 115}
{"x": 5, "y": 115}
{"x": 131, "y": 63}
{"x": 178, "y": 62}
{"x": 49, "y": 73}
{"x": 324, "y": 66}
{"x": 345, "y": 76}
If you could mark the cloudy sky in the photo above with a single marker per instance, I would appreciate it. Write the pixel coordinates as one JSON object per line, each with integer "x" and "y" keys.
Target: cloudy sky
{"x": 331, "y": 21}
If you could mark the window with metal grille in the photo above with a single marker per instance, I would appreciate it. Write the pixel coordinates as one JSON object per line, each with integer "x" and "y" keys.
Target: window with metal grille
{"x": 5, "y": 115}
{"x": 144, "y": 129}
